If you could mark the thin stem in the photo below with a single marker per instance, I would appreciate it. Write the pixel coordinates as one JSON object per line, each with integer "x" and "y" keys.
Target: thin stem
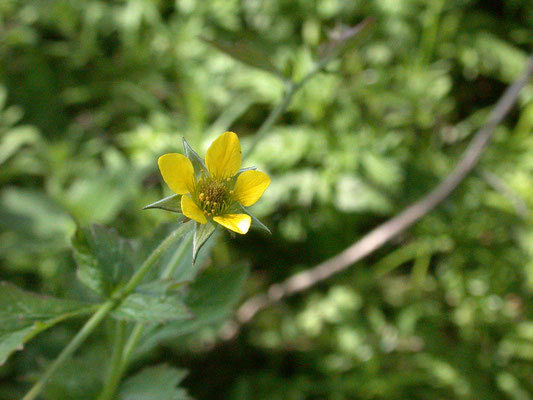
{"x": 116, "y": 358}
{"x": 128, "y": 349}
{"x": 292, "y": 87}
{"x": 116, "y": 376}
{"x": 103, "y": 311}
{"x": 290, "y": 90}
{"x": 80, "y": 337}
{"x": 176, "y": 258}
{"x": 151, "y": 260}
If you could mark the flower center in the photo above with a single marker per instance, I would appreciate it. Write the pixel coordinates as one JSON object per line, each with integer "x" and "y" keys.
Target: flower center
{"x": 213, "y": 196}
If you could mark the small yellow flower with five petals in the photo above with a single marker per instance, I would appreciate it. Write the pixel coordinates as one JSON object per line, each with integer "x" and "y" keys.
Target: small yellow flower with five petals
{"x": 214, "y": 192}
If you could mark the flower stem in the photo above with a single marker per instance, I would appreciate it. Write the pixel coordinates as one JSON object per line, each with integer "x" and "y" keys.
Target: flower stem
{"x": 290, "y": 90}
{"x": 118, "y": 348}
{"x": 128, "y": 349}
{"x": 80, "y": 337}
{"x": 103, "y": 311}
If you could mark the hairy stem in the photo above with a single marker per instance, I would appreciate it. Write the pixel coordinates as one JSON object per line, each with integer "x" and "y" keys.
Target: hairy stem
{"x": 128, "y": 349}
{"x": 116, "y": 359}
{"x": 80, "y": 337}
{"x": 104, "y": 310}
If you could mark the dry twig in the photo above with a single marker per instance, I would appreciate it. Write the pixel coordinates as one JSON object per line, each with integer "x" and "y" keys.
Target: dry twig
{"x": 386, "y": 231}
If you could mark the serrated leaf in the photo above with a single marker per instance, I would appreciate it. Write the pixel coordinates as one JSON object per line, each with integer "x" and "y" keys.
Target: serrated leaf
{"x": 104, "y": 259}
{"x": 210, "y": 298}
{"x": 196, "y": 160}
{"x": 202, "y": 232}
{"x": 170, "y": 203}
{"x": 155, "y": 383}
{"x": 255, "y": 222}
{"x": 24, "y": 314}
{"x": 161, "y": 287}
{"x": 146, "y": 308}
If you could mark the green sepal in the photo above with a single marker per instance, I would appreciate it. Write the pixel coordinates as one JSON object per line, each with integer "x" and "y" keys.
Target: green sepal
{"x": 245, "y": 169}
{"x": 197, "y": 162}
{"x": 255, "y": 222}
{"x": 202, "y": 232}
{"x": 170, "y": 203}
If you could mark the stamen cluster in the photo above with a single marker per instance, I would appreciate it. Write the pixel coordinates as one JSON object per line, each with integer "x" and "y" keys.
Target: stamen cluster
{"x": 213, "y": 196}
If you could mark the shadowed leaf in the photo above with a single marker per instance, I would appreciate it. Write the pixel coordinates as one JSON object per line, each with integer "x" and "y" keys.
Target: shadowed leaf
{"x": 24, "y": 314}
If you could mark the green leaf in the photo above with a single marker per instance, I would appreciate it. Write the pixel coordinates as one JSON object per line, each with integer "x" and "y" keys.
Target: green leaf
{"x": 38, "y": 227}
{"x": 15, "y": 139}
{"x": 196, "y": 160}
{"x": 146, "y": 308}
{"x": 245, "y": 47}
{"x": 170, "y": 203}
{"x": 214, "y": 292}
{"x": 202, "y": 232}
{"x": 255, "y": 222}
{"x": 161, "y": 287}
{"x": 155, "y": 383}
{"x": 210, "y": 298}
{"x": 23, "y": 315}
{"x": 343, "y": 40}
{"x": 104, "y": 259}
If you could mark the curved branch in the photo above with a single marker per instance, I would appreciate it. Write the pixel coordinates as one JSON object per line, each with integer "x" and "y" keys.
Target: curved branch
{"x": 386, "y": 231}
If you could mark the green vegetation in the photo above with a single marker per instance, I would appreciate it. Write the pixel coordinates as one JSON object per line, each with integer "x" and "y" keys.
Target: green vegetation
{"x": 93, "y": 92}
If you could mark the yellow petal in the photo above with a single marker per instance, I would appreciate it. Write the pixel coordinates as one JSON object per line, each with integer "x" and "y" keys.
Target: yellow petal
{"x": 223, "y": 158}
{"x": 250, "y": 186}
{"x": 177, "y": 171}
{"x": 191, "y": 210}
{"x": 239, "y": 223}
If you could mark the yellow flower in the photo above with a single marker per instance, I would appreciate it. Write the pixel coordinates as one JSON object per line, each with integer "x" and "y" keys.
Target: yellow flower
{"x": 215, "y": 193}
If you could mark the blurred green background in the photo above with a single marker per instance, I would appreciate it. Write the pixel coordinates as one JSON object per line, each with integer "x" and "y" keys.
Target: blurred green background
{"x": 92, "y": 92}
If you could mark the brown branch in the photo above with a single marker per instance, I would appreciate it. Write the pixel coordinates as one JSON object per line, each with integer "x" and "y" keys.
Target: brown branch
{"x": 385, "y": 232}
